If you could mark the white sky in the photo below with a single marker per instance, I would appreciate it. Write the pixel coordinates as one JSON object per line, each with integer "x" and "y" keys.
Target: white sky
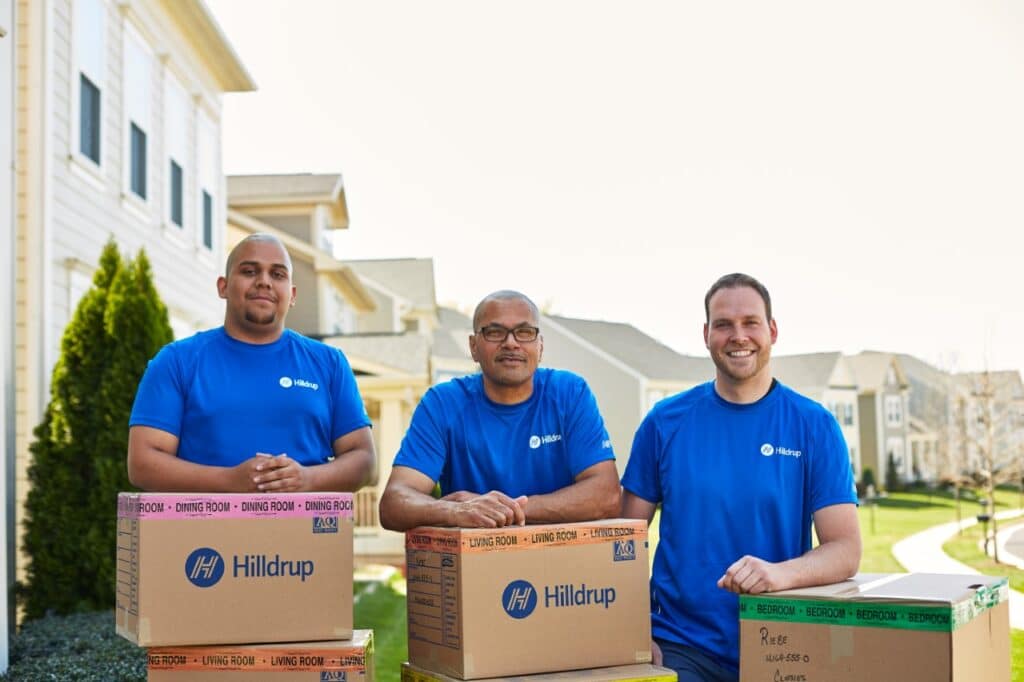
{"x": 611, "y": 159}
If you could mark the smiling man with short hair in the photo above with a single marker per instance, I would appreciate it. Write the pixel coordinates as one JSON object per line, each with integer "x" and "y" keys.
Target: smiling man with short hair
{"x": 513, "y": 444}
{"x": 250, "y": 406}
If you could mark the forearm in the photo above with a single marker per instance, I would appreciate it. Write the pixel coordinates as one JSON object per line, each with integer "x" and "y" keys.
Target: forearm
{"x": 157, "y": 471}
{"x": 346, "y": 473}
{"x": 829, "y": 562}
{"x": 585, "y": 500}
{"x": 402, "y": 508}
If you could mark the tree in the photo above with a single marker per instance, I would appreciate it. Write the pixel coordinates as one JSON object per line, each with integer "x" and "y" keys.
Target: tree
{"x": 77, "y": 459}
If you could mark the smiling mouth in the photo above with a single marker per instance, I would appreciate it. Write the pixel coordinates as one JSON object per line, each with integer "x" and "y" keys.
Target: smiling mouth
{"x": 740, "y": 353}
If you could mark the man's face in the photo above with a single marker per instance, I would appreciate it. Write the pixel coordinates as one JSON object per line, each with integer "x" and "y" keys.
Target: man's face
{"x": 509, "y": 362}
{"x": 258, "y": 288}
{"x": 738, "y": 334}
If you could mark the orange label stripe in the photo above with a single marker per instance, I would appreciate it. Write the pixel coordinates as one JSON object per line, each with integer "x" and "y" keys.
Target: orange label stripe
{"x": 261, "y": 660}
{"x": 520, "y": 537}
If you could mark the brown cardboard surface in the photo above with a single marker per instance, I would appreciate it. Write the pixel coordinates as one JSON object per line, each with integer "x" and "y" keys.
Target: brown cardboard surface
{"x": 907, "y": 627}
{"x": 340, "y": 660}
{"x": 522, "y": 600}
{"x": 217, "y": 569}
{"x": 644, "y": 672}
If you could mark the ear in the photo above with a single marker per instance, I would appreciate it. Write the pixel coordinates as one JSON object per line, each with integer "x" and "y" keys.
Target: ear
{"x": 774, "y": 329}
{"x": 540, "y": 347}
{"x": 291, "y": 303}
{"x": 706, "y": 335}
{"x": 222, "y": 287}
{"x": 472, "y": 347}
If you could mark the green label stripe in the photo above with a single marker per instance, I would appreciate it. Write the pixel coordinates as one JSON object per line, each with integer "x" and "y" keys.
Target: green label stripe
{"x": 894, "y": 615}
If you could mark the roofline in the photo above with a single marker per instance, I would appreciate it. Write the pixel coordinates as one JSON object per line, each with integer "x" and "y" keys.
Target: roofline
{"x": 196, "y": 20}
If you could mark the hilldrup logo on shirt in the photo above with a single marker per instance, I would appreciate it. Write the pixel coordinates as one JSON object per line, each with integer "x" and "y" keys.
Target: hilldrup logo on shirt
{"x": 519, "y": 599}
{"x": 537, "y": 441}
{"x": 288, "y": 382}
{"x": 205, "y": 567}
{"x": 768, "y": 450}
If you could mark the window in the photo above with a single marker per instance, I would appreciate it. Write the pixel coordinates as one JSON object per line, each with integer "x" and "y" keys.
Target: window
{"x": 177, "y": 195}
{"x": 207, "y": 220}
{"x": 893, "y": 410}
{"x": 848, "y": 414}
{"x": 89, "y": 27}
{"x": 89, "y": 119}
{"x": 138, "y": 163}
{"x": 138, "y": 76}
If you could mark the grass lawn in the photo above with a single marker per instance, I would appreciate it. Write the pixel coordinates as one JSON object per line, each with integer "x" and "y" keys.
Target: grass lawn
{"x": 380, "y": 606}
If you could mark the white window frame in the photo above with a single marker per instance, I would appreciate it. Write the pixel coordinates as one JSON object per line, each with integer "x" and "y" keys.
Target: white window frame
{"x": 93, "y": 171}
{"x": 893, "y": 410}
{"x": 143, "y": 204}
{"x": 180, "y": 153}
{"x": 208, "y": 178}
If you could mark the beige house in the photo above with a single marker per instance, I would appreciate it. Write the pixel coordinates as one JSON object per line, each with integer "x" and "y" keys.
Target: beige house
{"x": 882, "y": 408}
{"x": 828, "y": 379}
{"x": 119, "y": 126}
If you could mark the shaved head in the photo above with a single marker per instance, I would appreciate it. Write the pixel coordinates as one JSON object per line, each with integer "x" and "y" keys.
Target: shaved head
{"x": 259, "y": 237}
{"x": 504, "y": 295}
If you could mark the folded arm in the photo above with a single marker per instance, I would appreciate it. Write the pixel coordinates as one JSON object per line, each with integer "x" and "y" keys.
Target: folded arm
{"x": 836, "y": 558}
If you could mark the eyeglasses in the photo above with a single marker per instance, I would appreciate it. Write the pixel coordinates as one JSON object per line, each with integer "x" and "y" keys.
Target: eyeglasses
{"x": 495, "y": 333}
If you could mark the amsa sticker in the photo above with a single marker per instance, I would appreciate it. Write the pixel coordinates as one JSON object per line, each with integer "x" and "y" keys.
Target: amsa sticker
{"x": 332, "y": 676}
{"x": 624, "y": 550}
{"x": 325, "y": 524}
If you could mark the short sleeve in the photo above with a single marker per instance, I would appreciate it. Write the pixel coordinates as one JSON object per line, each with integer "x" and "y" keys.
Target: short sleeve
{"x": 348, "y": 413}
{"x": 587, "y": 439}
{"x": 642, "y": 476}
{"x": 160, "y": 398}
{"x": 831, "y": 473}
{"x": 423, "y": 447}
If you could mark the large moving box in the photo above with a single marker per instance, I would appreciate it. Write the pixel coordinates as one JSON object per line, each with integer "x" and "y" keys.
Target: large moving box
{"x": 339, "y": 661}
{"x": 520, "y": 600}
{"x": 915, "y": 627}
{"x": 641, "y": 672}
{"x": 216, "y": 569}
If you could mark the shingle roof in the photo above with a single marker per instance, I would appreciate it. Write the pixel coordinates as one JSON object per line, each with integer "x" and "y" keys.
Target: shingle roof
{"x": 243, "y": 189}
{"x": 410, "y": 278}
{"x": 406, "y": 352}
{"x": 450, "y": 339}
{"x": 869, "y": 368}
{"x": 808, "y": 373}
{"x": 646, "y": 355}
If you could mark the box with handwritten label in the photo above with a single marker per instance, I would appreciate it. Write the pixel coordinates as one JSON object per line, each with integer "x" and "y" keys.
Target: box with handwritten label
{"x": 912, "y": 627}
{"x": 522, "y": 600}
{"x": 233, "y": 568}
{"x": 338, "y": 660}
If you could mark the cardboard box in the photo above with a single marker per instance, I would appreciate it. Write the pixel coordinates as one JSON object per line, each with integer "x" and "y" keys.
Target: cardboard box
{"x": 915, "y": 627}
{"x": 621, "y": 673}
{"x": 521, "y": 600}
{"x": 222, "y": 569}
{"x": 348, "y": 660}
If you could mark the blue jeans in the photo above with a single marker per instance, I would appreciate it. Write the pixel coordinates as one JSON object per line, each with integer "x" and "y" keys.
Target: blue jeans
{"x": 693, "y": 665}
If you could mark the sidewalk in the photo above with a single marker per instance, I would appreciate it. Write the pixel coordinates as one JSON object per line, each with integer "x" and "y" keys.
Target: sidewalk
{"x": 922, "y": 553}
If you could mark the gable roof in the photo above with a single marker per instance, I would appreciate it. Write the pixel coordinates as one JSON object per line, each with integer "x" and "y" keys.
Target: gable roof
{"x": 378, "y": 354}
{"x": 410, "y": 278}
{"x": 812, "y": 373}
{"x": 641, "y": 352}
{"x": 250, "y": 190}
{"x": 870, "y": 367}
{"x": 201, "y": 28}
{"x": 450, "y": 337}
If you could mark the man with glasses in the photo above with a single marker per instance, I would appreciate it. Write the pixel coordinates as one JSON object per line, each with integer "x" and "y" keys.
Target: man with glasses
{"x": 513, "y": 444}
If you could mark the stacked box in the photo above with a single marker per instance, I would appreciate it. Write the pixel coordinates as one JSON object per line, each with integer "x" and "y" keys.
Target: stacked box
{"x": 232, "y": 568}
{"x": 341, "y": 661}
{"x": 621, "y": 673}
{"x": 915, "y": 627}
{"x": 522, "y": 600}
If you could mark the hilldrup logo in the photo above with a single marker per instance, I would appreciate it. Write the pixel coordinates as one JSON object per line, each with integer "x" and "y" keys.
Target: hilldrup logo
{"x": 767, "y": 450}
{"x": 519, "y": 599}
{"x": 204, "y": 567}
{"x": 286, "y": 382}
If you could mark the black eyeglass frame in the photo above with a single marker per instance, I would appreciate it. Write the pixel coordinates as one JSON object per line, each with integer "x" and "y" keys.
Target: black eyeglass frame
{"x": 533, "y": 333}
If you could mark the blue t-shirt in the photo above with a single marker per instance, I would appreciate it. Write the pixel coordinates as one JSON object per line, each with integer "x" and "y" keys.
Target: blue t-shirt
{"x": 226, "y": 400}
{"x": 732, "y": 480}
{"x": 462, "y": 439}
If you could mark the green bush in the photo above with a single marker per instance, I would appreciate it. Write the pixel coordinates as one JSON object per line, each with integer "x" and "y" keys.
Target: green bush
{"x": 78, "y": 457}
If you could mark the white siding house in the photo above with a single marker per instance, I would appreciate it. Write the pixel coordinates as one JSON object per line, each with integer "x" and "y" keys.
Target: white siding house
{"x": 118, "y": 119}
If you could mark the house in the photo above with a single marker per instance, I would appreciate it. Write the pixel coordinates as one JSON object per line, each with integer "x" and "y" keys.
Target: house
{"x": 828, "y": 379}
{"x": 931, "y": 435}
{"x": 882, "y": 398}
{"x": 627, "y": 370}
{"x": 119, "y": 125}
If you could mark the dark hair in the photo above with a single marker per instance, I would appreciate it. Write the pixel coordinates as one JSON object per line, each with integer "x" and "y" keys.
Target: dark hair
{"x": 737, "y": 279}
{"x": 504, "y": 295}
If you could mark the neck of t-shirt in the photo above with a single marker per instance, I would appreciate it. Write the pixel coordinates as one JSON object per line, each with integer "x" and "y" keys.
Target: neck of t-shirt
{"x": 507, "y": 396}
{"x": 748, "y": 397}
